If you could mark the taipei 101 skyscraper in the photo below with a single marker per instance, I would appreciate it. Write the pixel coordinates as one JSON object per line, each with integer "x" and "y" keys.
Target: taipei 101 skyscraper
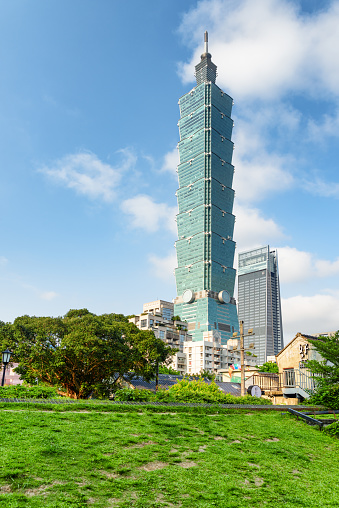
{"x": 205, "y": 248}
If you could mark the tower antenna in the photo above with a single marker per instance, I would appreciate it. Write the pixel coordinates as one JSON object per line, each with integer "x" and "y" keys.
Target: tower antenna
{"x": 206, "y": 42}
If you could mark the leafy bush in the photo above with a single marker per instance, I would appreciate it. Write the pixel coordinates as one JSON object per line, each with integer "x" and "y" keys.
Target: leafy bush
{"x": 29, "y": 392}
{"x": 327, "y": 396}
{"x": 269, "y": 367}
{"x": 333, "y": 429}
{"x": 163, "y": 369}
{"x": 136, "y": 395}
{"x": 199, "y": 391}
{"x": 187, "y": 391}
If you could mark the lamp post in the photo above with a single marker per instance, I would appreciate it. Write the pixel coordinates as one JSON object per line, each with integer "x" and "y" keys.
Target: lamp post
{"x": 6, "y": 355}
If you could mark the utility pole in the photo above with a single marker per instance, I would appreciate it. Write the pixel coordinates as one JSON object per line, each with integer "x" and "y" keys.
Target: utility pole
{"x": 242, "y": 354}
{"x": 242, "y": 358}
{"x": 156, "y": 376}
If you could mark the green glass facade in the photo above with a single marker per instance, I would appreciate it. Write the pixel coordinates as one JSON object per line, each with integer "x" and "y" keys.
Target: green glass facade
{"x": 205, "y": 222}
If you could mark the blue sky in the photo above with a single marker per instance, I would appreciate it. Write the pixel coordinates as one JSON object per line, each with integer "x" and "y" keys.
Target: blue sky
{"x": 89, "y": 95}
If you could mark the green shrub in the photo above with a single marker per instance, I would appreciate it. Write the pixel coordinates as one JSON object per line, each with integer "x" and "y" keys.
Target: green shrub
{"x": 29, "y": 392}
{"x": 332, "y": 429}
{"x": 196, "y": 391}
{"x": 136, "y": 395}
{"x": 201, "y": 392}
{"x": 327, "y": 396}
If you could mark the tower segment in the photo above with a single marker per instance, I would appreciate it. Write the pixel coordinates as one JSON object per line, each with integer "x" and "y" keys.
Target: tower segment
{"x": 205, "y": 248}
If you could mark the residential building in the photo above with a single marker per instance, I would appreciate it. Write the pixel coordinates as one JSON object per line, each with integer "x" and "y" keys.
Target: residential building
{"x": 205, "y": 248}
{"x": 210, "y": 355}
{"x": 193, "y": 356}
{"x": 157, "y": 316}
{"x": 259, "y": 300}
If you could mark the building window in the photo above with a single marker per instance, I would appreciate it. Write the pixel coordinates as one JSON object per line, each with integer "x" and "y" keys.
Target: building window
{"x": 143, "y": 323}
{"x": 161, "y": 334}
{"x": 167, "y": 313}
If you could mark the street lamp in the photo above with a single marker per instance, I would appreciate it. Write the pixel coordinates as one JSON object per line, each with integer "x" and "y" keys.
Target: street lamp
{"x": 6, "y": 355}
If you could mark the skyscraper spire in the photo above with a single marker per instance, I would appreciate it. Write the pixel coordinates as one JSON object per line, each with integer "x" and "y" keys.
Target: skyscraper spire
{"x": 206, "y": 70}
{"x": 206, "y": 42}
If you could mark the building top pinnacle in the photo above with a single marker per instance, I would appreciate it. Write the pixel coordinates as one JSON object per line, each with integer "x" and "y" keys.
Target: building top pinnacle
{"x": 205, "y": 70}
{"x": 206, "y": 54}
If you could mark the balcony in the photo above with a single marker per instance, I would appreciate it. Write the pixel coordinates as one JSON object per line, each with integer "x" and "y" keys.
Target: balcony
{"x": 291, "y": 382}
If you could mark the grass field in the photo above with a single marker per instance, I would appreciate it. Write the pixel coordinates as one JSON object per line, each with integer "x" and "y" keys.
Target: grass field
{"x": 241, "y": 459}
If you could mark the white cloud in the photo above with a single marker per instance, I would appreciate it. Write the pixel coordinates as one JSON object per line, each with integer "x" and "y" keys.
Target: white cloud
{"x": 88, "y": 175}
{"x": 260, "y": 171}
{"x": 171, "y": 161}
{"x": 328, "y": 126}
{"x": 321, "y": 188}
{"x": 48, "y": 295}
{"x": 3, "y": 261}
{"x": 163, "y": 267}
{"x": 253, "y": 230}
{"x": 266, "y": 48}
{"x": 310, "y": 314}
{"x": 148, "y": 215}
{"x": 298, "y": 266}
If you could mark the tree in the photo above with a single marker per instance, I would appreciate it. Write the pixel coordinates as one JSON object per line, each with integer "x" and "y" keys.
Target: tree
{"x": 326, "y": 371}
{"x": 176, "y": 318}
{"x": 269, "y": 367}
{"x": 163, "y": 369}
{"x": 328, "y": 368}
{"x": 81, "y": 352}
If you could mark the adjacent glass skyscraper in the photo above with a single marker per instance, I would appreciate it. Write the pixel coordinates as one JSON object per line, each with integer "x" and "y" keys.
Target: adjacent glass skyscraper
{"x": 205, "y": 275}
{"x": 259, "y": 300}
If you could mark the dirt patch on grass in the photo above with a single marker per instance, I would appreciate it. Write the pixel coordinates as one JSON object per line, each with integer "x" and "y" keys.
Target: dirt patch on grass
{"x": 187, "y": 464}
{"x": 186, "y": 453}
{"x": 109, "y": 474}
{"x": 258, "y": 482}
{"x": 218, "y": 438}
{"x": 202, "y": 448}
{"x": 142, "y": 445}
{"x": 5, "y": 489}
{"x": 236, "y": 441}
{"x": 92, "y": 500}
{"x": 253, "y": 465}
{"x": 36, "y": 492}
{"x": 160, "y": 499}
{"x": 296, "y": 472}
{"x": 272, "y": 440}
{"x": 153, "y": 466}
{"x": 113, "y": 501}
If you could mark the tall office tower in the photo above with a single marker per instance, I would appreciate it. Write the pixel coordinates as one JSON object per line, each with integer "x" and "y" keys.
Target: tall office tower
{"x": 259, "y": 300}
{"x": 205, "y": 249}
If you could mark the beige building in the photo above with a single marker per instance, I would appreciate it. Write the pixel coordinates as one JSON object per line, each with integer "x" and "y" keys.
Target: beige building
{"x": 11, "y": 377}
{"x": 292, "y": 363}
{"x": 294, "y": 382}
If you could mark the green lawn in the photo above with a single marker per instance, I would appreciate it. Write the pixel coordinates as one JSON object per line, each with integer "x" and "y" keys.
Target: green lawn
{"x": 242, "y": 459}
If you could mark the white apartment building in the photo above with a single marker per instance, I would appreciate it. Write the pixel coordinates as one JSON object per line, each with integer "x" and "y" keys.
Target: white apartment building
{"x": 210, "y": 355}
{"x": 157, "y": 316}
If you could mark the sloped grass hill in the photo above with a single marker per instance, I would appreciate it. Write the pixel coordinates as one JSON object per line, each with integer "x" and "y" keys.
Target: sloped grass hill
{"x": 246, "y": 459}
